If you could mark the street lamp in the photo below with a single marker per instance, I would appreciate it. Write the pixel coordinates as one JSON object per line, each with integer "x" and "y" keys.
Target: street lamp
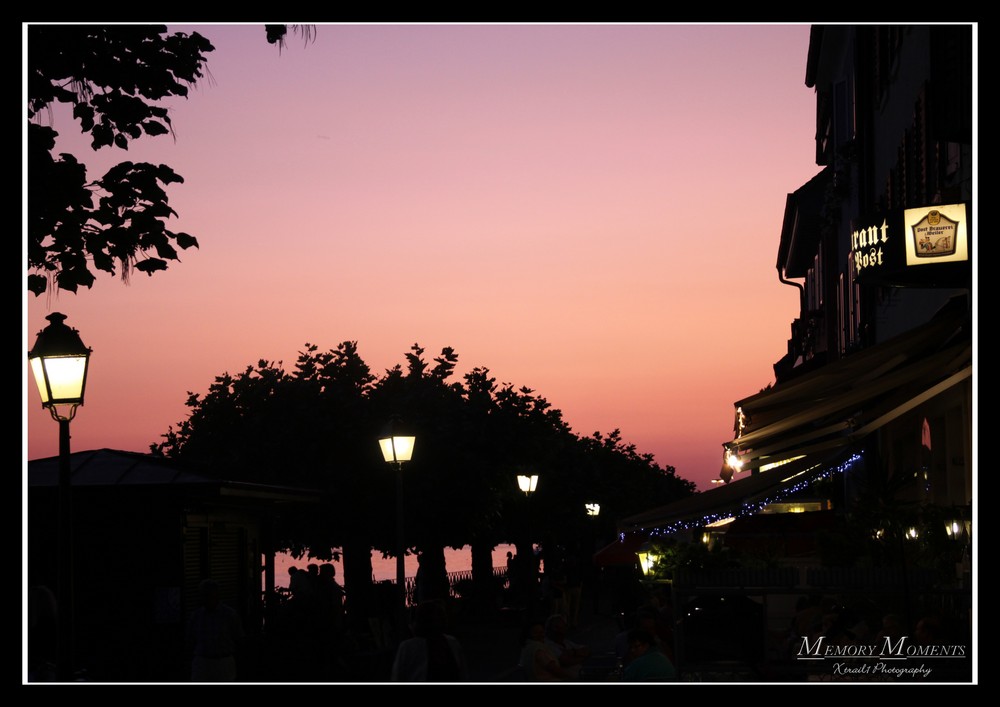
{"x": 648, "y": 557}
{"x": 396, "y": 449}
{"x": 527, "y": 483}
{"x": 59, "y": 362}
{"x": 593, "y": 510}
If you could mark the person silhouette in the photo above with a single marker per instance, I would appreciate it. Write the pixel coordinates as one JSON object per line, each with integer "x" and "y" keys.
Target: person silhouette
{"x": 431, "y": 655}
{"x": 214, "y": 634}
{"x": 329, "y": 619}
{"x": 537, "y": 662}
{"x": 571, "y": 655}
{"x": 297, "y": 582}
{"x": 573, "y": 591}
{"x": 645, "y": 660}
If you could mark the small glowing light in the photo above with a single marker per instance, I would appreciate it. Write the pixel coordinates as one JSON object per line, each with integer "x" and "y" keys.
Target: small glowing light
{"x": 773, "y": 465}
{"x": 741, "y": 422}
{"x": 721, "y": 522}
{"x": 912, "y": 534}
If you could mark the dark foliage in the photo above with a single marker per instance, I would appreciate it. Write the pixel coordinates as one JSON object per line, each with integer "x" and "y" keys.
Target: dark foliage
{"x": 316, "y": 427}
{"x": 115, "y": 78}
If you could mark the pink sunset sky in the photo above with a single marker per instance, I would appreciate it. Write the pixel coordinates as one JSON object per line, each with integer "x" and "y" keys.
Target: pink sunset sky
{"x": 591, "y": 211}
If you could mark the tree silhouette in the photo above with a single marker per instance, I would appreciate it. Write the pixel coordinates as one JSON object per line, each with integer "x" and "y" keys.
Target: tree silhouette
{"x": 115, "y": 78}
{"x": 316, "y": 427}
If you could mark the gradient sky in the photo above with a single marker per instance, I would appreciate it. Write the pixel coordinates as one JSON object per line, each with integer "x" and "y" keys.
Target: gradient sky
{"x": 592, "y": 211}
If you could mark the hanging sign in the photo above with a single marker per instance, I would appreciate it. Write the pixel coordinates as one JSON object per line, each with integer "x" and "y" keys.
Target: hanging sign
{"x": 936, "y": 234}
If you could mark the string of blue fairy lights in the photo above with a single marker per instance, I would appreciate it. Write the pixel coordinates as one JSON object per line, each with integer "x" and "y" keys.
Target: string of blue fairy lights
{"x": 751, "y": 507}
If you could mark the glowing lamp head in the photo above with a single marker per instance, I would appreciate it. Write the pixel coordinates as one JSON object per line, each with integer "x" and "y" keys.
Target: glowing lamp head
{"x": 59, "y": 362}
{"x": 527, "y": 483}
{"x": 396, "y": 444}
{"x": 648, "y": 558}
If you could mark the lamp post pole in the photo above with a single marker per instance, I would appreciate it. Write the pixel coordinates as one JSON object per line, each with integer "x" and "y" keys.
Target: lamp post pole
{"x": 64, "y": 591}
{"x": 593, "y": 510}
{"x": 400, "y": 542}
{"x": 528, "y": 484}
{"x": 59, "y": 362}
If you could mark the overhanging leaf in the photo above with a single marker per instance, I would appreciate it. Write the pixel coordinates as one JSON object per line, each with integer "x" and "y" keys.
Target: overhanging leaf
{"x": 150, "y": 265}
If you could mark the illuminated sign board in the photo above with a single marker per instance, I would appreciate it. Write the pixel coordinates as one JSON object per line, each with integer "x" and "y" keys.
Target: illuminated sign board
{"x": 894, "y": 247}
{"x": 938, "y": 234}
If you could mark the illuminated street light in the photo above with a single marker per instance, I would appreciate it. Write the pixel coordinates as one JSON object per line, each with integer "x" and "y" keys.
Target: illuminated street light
{"x": 396, "y": 449}
{"x": 59, "y": 362}
{"x": 527, "y": 484}
{"x": 647, "y": 559}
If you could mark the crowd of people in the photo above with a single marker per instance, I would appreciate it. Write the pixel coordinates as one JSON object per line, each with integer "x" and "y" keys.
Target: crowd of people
{"x": 311, "y": 622}
{"x": 554, "y": 645}
{"x": 550, "y": 600}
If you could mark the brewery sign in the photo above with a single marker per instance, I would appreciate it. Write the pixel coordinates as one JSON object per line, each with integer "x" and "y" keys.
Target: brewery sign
{"x": 894, "y": 247}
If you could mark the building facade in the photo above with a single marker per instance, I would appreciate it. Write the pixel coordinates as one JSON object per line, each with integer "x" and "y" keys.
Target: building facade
{"x": 880, "y": 247}
{"x": 871, "y": 414}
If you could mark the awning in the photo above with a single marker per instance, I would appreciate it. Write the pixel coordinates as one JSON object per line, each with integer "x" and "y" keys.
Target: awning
{"x": 740, "y": 498}
{"x": 621, "y": 552}
{"x": 816, "y": 423}
{"x": 845, "y": 401}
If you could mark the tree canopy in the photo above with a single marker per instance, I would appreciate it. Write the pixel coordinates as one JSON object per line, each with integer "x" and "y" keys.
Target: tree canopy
{"x": 316, "y": 427}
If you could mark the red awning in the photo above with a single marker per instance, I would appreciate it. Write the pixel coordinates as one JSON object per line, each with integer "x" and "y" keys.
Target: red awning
{"x": 621, "y": 552}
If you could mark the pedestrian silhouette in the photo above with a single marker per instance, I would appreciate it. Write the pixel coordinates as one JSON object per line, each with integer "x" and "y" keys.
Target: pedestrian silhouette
{"x": 214, "y": 634}
{"x": 431, "y": 655}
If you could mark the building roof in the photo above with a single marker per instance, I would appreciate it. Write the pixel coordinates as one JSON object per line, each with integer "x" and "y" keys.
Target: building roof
{"x": 114, "y": 468}
{"x": 800, "y": 228}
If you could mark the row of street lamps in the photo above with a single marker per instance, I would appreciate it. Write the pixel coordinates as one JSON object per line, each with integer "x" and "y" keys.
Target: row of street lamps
{"x": 397, "y": 448}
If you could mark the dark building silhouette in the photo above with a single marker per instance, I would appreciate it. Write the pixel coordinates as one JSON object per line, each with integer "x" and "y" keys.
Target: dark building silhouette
{"x": 146, "y": 532}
